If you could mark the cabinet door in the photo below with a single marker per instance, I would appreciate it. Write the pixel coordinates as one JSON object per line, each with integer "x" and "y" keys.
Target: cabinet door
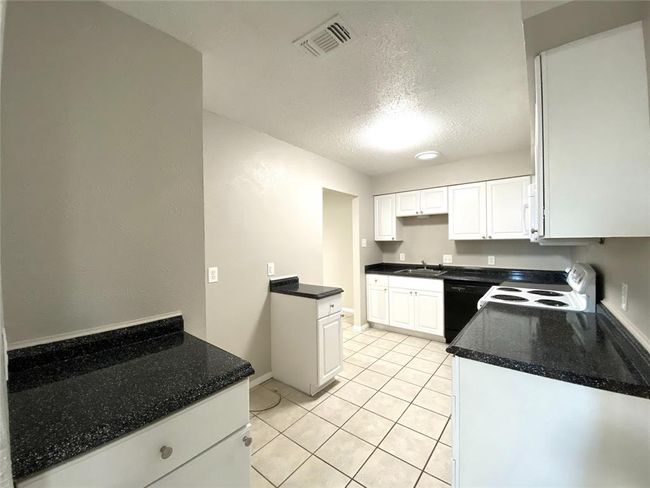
{"x": 467, "y": 216}
{"x": 377, "y": 298}
{"x": 596, "y": 136}
{"x": 385, "y": 219}
{"x": 330, "y": 348}
{"x": 400, "y": 307}
{"x": 408, "y": 204}
{"x": 507, "y": 205}
{"x": 433, "y": 201}
{"x": 428, "y": 312}
{"x": 225, "y": 464}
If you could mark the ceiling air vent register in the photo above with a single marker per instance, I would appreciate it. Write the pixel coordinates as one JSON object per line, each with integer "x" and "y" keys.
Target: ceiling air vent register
{"x": 326, "y": 37}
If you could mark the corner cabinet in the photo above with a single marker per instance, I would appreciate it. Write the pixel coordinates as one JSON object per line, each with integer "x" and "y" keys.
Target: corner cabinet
{"x": 421, "y": 202}
{"x": 496, "y": 209}
{"x": 386, "y": 225}
{"x": 408, "y": 303}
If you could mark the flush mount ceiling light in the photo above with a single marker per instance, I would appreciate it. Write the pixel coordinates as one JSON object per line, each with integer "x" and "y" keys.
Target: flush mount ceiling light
{"x": 427, "y": 155}
{"x": 397, "y": 129}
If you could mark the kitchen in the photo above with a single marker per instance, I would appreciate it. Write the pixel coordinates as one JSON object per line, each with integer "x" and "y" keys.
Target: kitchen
{"x": 153, "y": 184}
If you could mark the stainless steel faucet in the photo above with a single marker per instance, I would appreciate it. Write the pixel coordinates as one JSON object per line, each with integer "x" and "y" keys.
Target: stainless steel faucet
{"x": 424, "y": 264}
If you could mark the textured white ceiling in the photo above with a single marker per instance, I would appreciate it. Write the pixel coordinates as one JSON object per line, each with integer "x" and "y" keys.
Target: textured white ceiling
{"x": 458, "y": 68}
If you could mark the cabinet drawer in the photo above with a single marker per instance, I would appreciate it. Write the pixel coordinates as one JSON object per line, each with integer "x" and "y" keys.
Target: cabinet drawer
{"x": 376, "y": 280}
{"x": 136, "y": 460}
{"x": 329, "y": 305}
{"x": 425, "y": 284}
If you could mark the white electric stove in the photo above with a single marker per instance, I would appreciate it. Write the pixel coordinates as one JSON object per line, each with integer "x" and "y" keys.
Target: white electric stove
{"x": 581, "y": 296}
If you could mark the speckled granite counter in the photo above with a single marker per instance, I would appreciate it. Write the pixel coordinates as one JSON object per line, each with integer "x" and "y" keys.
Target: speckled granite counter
{"x": 69, "y": 397}
{"x": 292, "y": 286}
{"x": 465, "y": 273}
{"x": 590, "y": 349}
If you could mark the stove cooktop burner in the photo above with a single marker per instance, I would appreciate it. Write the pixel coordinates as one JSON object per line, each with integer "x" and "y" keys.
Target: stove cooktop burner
{"x": 510, "y": 298}
{"x": 505, "y": 288}
{"x": 546, "y": 293}
{"x": 552, "y": 303}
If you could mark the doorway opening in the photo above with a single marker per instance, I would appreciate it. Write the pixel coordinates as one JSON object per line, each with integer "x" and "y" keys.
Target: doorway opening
{"x": 338, "y": 249}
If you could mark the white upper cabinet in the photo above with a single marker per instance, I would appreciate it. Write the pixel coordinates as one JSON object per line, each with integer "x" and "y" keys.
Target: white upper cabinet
{"x": 422, "y": 202}
{"x": 593, "y": 137}
{"x": 408, "y": 203}
{"x": 433, "y": 201}
{"x": 467, "y": 215}
{"x": 508, "y": 209}
{"x": 386, "y": 226}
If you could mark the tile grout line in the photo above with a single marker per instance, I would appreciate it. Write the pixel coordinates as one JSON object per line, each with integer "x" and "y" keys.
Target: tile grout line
{"x": 338, "y": 428}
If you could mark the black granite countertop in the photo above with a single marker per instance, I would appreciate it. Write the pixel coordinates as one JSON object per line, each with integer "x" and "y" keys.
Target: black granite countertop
{"x": 68, "y": 397}
{"x": 590, "y": 349}
{"x": 292, "y": 286}
{"x": 476, "y": 274}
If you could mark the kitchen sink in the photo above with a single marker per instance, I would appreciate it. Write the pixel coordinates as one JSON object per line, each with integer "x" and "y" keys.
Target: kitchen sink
{"x": 421, "y": 272}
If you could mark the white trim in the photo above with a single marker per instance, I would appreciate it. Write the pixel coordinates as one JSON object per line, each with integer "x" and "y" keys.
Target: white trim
{"x": 260, "y": 379}
{"x": 361, "y": 328}
{"x": 629, "y": 325}
{"x": 92, "y": 330}
{"x": 347, "y": 310}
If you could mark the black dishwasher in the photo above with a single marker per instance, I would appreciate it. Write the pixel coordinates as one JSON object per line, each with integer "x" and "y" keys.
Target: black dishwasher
{"x": 461, "y": 298}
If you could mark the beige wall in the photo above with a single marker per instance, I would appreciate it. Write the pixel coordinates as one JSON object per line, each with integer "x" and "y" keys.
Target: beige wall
{"x": 337, "y": 243}
{"x": 618, "y": 261}
{"x": 102, "y": 197}
{"x": 480, "y": 168}
{"x": 263, "y": 203}
{"x": 427, "y": 239}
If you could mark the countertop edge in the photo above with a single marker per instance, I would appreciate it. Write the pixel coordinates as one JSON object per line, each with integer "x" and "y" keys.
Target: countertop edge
{"x": 555, "y": 374}
{"x": 315, "y": 296}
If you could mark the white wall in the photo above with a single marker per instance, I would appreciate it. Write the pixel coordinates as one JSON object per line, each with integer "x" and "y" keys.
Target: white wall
{"x": 263, "y": 203}
{"x": 427, "y": 239}
{"x": 102, "y": 195}
{"x": 337, "y": 243}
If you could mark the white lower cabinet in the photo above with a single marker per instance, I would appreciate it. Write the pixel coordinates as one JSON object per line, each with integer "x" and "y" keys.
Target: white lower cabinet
{"x": 193, "y": 447}
{"x": 306, "y": 341}
{"x": 227, "y": 464}
{"x": 428, "y": 312}
{"x": 409, "y": 303}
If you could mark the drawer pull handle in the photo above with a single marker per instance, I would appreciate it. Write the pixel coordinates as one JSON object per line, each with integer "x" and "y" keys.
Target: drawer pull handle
{"x": 248, "y": 440}
{"x": 166, "y": 451}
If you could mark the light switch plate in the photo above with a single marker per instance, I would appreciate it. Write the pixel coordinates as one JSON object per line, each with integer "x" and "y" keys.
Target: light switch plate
{"x": 447, "y": 259}
{"x": 213, "y": 274}
{"x": 270, "y": 269}
{"x": 490, "y": 260}
{"x": 624, "y": 297}
{"x": 364, "y": 242}
{"x": 402, "y": 256}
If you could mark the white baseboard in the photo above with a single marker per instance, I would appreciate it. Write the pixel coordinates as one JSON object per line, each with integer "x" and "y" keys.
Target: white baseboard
{"x": 629, "y": 325}
{"x": 409, "y": 332}
{"x": 93, "y": 330}
{"x": 360, "y": 328}
{"x": 260, "y": 379}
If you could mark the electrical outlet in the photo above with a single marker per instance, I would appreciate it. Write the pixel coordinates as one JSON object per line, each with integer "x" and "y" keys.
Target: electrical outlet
{"x": 447, "y": 259}
{"x": 490, "y": 260}
{"x": 624, "y": 297}
{"x": 402, "y": 256}
{"x": 213, "y": 274}
{"x": 270, "y": 269}
{"x": 364, "y": 242}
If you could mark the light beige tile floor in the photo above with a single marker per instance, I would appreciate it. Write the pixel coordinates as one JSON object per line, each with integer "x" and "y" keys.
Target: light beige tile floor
{"x": 385, "y": 423}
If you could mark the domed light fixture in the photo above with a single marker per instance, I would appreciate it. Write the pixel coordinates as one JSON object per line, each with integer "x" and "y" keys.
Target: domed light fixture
{"x": 427, "y": 155}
